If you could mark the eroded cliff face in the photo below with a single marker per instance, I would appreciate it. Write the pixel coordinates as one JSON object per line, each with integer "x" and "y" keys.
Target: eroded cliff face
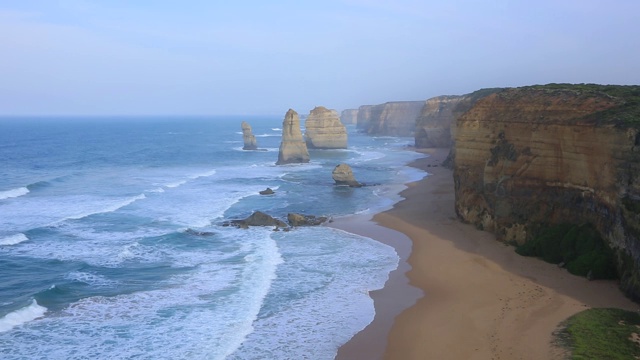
{"x": 435, "y": 126}
{"x": 364, "y": 117}
{"x": 396, "y": 118}
{"x": 324, "y": 130}
{"x": 532, "y": 156}
{"x": 349, "y": 116}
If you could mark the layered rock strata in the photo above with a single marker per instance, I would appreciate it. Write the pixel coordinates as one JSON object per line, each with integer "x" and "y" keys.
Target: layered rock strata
{"x": 529, "y": 157}
{"x": 324, "y": 130}
{"x": 248, "y": 138}
{"x": 293, "y": 148}
{"x": 397, "y": 118}
{"x": 343, "y": 175}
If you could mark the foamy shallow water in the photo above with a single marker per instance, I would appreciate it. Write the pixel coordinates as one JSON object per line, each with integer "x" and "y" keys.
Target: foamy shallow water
{"x": 116, "y": 251}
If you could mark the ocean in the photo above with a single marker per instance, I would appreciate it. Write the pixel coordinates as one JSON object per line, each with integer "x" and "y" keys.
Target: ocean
{"x": 112, "y": 244}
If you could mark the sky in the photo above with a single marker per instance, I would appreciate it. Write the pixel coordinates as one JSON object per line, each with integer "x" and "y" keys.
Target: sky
{"x": 121, "y": 57}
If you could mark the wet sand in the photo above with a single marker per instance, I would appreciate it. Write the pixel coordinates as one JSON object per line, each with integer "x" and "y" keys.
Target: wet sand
{"x": 458, "y": 293}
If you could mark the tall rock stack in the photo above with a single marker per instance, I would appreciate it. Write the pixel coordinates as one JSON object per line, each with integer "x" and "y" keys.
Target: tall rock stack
{"x": 293, "y": 149}
{"x": 324, "y": 130}
{"x": 248, "y": 138}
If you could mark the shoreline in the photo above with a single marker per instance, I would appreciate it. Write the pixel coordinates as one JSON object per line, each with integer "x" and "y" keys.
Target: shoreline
{"x": 457, "y": 292}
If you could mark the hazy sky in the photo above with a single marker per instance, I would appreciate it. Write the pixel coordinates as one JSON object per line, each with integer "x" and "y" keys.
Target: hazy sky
{"x": 215, "y": 57}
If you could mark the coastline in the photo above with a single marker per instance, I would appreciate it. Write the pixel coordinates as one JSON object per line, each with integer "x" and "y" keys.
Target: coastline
{"x": 476, "y": 298}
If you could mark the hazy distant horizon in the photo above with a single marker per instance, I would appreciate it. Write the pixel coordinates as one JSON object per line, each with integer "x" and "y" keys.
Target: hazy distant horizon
{"x": 97, "y": 57}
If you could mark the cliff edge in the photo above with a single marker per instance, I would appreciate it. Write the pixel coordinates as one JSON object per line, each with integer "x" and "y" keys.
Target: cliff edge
{"x": 534, "y": 157}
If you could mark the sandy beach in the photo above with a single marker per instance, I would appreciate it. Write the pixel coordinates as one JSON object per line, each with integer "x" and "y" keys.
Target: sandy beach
{"x": 458, "y": 293}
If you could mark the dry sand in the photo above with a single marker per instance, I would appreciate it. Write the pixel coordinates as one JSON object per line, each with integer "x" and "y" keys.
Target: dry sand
{"x": 478, "y": 298}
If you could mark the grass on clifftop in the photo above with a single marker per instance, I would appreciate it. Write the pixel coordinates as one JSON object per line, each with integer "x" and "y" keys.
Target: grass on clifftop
{"x": 600, "y": 334}
{"x": 627, "y": 114}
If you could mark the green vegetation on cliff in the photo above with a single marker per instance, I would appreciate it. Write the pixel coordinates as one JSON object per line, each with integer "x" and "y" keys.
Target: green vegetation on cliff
{"x": 579, "y": 247}
{"x": 626, "y": 114}
{"x": 601, "y": 334}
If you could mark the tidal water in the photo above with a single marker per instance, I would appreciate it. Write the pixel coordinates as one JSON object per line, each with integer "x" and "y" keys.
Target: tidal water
{"x": 112, "y": 244}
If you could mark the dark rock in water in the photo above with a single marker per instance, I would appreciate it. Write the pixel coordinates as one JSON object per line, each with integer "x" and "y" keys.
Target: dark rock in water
{"x": 343, "y": 175}
{"x": 199, "y": 233}
{"x": 305, "y": 220}
{"x": 258, "y": 218}
{"x": 268, "y": 191}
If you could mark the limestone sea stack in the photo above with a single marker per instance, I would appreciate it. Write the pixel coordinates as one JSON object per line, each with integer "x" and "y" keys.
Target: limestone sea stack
{"x": 324, "y": 130}
{"x": 343, "y": 175}
{"x": 248, "y": 137}
{"x": 293, "y": 149}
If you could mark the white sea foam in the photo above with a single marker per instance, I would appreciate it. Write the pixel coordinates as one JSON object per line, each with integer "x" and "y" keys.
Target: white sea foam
{"x": 90, "y": 278}
{"x": 276, "y": 129}
{"x": 203, "y": 174}
{"x": 176, "y": 184}
{"x": 13, "y": 193}
{"x": 368, "y": 156}
{"x": 13, "y": 239}
{"x": 21, "y": 316}
{"x": 214, "y": 305}
{"x": 267, "y": 135}
{"x": 299, "y": 321}
{"x": 114, "y": 206}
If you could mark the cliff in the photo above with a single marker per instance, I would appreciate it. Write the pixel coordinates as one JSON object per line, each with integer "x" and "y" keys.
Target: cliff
{"x": 435, "y": 126}
{"x": 349, "y": 116}
{"x": 364, "y": 117}
{"x": 533, "y": 157}
{"x": 293, "y": 149}
{"x": 397, "y": 118}
{"x": 324, "y": 130}
{"x": 248, "y": 138}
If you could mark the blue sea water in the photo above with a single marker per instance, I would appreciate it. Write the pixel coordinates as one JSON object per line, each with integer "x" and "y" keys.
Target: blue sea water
{"x": 112, "y": 244}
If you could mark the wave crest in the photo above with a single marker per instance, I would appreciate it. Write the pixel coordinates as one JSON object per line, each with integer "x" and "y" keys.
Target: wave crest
{"x": 22, "y": 316}
{"x": 13, "y": 193}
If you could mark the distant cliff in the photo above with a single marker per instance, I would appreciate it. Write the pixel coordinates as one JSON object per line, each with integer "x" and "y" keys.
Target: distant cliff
{"x": 435, "y": 126}
{"x": 533, "y": 157}
{"x": 349, "y": 116}
{"x": 396, "y": 118}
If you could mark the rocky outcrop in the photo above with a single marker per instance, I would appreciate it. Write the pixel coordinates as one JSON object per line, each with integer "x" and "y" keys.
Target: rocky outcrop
{"x": 349, "y": 116}
{"x": 397, "y": 118}
{"x": 305, "y": 220}
{"x": 267, "y": 191}
{"x": 343, "y": 175}
{"x": 529, "y": 157}
{"x": 293, "y": 149}
{"x": 324, "y": 130}
{"x": 248, "y": 137}
{"x": 258, "y": 218}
